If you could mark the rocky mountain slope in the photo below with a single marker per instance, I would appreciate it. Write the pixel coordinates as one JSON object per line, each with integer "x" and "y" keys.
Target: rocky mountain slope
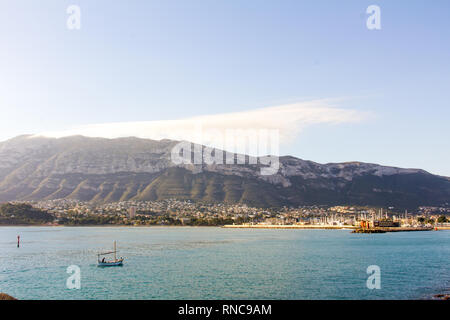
{"x": 105, "y": 170}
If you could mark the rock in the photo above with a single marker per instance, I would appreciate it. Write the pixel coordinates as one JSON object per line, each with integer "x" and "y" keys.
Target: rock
{"x": 442, "y": 296}
{"x": 4, "y": 296}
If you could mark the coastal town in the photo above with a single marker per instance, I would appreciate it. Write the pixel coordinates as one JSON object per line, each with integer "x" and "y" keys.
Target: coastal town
{"x": 188, "y": 213}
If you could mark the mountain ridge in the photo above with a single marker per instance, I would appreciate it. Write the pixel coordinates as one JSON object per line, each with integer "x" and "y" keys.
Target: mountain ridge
{"x": 106, "y": 170}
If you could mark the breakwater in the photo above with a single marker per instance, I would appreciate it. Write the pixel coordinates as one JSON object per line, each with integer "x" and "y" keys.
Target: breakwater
{"x": 389, "y": 229}
{"x": 279, "y": 226}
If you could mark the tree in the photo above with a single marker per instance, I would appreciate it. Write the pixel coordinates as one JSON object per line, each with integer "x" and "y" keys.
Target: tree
{"x": 442, "y": 219}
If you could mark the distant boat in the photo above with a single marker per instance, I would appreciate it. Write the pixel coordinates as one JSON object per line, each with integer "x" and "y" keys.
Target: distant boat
{"x": 111, "y": 263}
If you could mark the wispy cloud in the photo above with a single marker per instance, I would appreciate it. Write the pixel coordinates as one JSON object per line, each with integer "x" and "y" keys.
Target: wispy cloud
{"x": 289, "y": 119}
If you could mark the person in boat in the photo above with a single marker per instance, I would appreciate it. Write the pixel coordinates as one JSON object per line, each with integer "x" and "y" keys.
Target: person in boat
{"x": 103, "y": 260}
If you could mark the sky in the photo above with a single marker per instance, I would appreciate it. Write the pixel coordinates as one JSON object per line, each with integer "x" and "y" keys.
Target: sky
{"x": 337, "y": 90}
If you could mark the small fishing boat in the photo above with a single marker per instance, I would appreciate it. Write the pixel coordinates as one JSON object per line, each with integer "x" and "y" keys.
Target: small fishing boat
{"x": 111, "y": 263}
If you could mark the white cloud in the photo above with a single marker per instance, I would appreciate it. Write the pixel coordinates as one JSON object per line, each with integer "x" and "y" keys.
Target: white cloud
{"x": 289, "y": 120}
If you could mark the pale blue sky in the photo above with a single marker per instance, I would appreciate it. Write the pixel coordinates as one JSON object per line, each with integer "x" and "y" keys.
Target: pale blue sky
{"x": 159, "y": 60}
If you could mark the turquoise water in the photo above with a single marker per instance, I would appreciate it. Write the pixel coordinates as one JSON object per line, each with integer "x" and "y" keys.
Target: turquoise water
{"x": 215, "y": 263}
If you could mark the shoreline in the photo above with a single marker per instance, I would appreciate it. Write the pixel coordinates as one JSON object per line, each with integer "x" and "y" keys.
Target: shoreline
{"x": 257, "y": 226}
{"x": 276, "y": 226}
{"x": 103, "y": 226}
{"x": 331, "y": 227}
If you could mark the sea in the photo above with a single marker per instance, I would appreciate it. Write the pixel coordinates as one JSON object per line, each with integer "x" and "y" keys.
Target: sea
{"x": 217, "y": 263}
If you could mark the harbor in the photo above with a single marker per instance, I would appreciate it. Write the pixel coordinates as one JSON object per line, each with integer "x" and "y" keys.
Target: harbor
{"x": 376, "y": 222}
{"x": 332, "y": 227}
{"x": 289, "y": 226}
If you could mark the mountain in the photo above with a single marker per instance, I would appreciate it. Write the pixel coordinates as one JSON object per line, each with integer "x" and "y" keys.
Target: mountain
{"x": 106, "y": 170}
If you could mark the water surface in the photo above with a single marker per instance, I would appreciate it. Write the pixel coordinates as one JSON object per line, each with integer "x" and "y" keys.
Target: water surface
{"x": 216, "y": 263}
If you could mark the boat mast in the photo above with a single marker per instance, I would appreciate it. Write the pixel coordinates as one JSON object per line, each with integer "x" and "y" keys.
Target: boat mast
{"x": 115, "y": 259}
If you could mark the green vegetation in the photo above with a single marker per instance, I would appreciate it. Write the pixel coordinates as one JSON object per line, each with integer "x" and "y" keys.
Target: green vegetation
{"x": 152, "y": 220}
{"x": 425, "y": 220}
{"x": 441, "y": 219}
{"x": 210, "y": 187}
{"x": 23, "y": 214}
{"x": 86, "y": 220}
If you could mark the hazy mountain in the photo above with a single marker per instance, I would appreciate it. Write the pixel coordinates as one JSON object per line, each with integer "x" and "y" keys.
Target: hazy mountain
{"x": 37, "y": 168}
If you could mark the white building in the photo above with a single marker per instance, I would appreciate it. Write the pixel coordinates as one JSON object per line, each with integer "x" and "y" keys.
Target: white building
{"x": 132, "y": 212}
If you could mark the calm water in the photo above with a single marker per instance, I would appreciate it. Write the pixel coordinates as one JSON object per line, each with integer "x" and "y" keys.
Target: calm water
{"x": 215, "y": 263}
